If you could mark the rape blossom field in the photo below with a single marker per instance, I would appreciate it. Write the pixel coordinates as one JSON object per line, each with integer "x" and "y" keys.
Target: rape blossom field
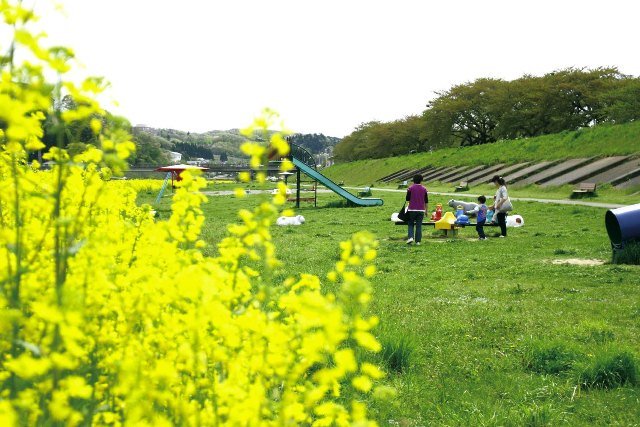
{"x": 110, "y": 317}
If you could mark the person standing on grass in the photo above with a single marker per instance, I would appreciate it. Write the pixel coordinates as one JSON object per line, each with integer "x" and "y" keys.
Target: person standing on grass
{"x": 501, "y": 205}
{"x": 482, "y": 217}
{"x": 418, "y": 199}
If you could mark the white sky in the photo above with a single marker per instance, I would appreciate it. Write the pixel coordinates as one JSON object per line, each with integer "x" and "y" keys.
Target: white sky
{"x": 327, "y": 66}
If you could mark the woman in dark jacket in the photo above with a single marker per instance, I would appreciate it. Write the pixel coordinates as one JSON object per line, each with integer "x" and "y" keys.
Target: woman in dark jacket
{"x": 418, "y": 199}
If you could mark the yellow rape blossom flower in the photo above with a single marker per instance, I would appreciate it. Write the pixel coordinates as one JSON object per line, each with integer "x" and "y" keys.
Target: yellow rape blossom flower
{"x": 96, "y": 126}
{"x": 77, "y": 387}
{"x": 26, "y": 366}
{"x": 371, "y": 370}
{"x": 332, "y": 276}
{"x": 370, "y": 271}
{"x": 362, "y": 383}
{"x": 286, "y": 165}
{"x": 384, "y": 393}
{"x": 367, "y": 341}
{"x": 109, "y": 309}
{"x": 8, "y": 416}
{"x": 244, "y": 176}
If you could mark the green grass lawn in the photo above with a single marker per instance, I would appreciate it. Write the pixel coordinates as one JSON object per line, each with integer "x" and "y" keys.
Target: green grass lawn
{"x": 495, "y": 332}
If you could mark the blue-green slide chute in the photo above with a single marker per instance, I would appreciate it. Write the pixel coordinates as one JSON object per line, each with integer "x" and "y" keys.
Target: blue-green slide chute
{"x": 333, "y": 186}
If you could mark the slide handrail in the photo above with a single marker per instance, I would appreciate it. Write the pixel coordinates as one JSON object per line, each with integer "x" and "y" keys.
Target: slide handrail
{"x": 302, "y": 155}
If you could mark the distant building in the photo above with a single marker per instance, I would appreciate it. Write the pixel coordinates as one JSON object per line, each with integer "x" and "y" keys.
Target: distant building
{"x": 199, "y": 161}
{"x": 142, "y": 128}
{"x": 175, "y": 157}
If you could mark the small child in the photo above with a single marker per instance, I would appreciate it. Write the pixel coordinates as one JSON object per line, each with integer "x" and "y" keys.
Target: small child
{"x": 482, "y": 217}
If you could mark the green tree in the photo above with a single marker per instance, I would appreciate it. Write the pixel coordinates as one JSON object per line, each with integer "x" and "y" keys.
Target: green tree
{"x": 622, "y": 103}
{"x": 465, "y": 114}
{"x": 148, "y": 150}
{"x": 353, "y": 144}
{"x": 558, "y": 101}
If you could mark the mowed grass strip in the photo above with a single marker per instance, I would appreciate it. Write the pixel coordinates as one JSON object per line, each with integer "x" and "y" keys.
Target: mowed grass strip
{"x": 492, "y": 332}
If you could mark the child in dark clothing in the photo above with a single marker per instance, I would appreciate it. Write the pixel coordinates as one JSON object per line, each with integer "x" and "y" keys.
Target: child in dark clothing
{"x": 482, "y": 217}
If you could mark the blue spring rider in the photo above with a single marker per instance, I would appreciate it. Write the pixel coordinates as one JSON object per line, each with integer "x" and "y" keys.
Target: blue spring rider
{"x": 461, "y": 218}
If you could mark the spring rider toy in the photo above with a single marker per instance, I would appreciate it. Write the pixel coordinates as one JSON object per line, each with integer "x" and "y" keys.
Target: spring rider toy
{"x": 461, "y": 218}
{"x": 446, "y": 222}
{"x": 435, "y": 216}
{"x": 489, "y": 216}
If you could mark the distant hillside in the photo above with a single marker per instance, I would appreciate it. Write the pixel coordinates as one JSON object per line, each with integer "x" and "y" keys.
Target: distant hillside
{"x": 314, "y": 142}
{"x": 604, "y": 140}
{"x": 217, "y": 145}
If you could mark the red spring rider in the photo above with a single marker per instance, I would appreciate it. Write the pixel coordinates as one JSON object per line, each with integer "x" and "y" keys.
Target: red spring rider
{"x": 437, "y": 215}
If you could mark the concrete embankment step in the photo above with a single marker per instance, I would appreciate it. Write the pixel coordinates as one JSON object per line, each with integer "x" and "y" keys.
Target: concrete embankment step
{"x": 617, "y": 174}
{"x": 428, "y": 170}
{"x": 630, "y": 179}
{"x": 583, "y": 173}
{"x": 407, "y": 175}
{"x": 462, "y": 176}
{"x": 619, "y": 171}
{"x": 556, "y": 170}
{"x": 487, "y": 173}
{"x": 437, "y": 172}
{"x": 390, "y": 177}
{"x": 446, "y": 174}
{"x": 504, "y": 171}
{"x": 528, "y": 171}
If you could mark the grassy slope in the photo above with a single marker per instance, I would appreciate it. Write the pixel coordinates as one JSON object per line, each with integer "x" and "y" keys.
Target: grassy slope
{"x": 476, "y": 311}
{"x": 598, "y": 141}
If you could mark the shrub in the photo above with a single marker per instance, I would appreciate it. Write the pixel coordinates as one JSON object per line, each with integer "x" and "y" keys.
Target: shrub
{"x": 396, "y": 352}
{"x": 609, "y": 370}
{"x": 629, "y": 254}
{"x": 552, "y": 357}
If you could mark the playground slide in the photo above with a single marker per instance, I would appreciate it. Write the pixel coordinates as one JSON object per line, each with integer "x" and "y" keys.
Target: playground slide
{"x": 335, "y": 187}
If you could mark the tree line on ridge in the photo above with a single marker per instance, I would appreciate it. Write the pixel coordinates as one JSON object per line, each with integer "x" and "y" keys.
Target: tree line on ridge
{"x": 487, "y": 110}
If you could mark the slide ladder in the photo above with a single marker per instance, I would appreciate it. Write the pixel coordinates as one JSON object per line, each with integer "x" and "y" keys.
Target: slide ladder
{"x": 305, "y": 162}
{"x": 164, "y": 185}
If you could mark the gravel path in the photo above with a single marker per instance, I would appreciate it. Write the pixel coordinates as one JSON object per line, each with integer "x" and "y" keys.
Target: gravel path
{"x": 457, "y": 195}
{"x": 526, "y": 199}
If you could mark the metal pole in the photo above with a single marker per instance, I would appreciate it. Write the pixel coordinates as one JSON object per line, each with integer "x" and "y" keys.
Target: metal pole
{"x": 297, "y": 188}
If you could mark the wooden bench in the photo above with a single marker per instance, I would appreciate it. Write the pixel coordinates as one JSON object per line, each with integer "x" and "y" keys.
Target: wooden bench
{"x": 471, "y": 224}
{"x": 453, "y": 229}
{"x": 584, "y": 189}
{"x": 464, "y": 186}
{"x": 302, "y": 199}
